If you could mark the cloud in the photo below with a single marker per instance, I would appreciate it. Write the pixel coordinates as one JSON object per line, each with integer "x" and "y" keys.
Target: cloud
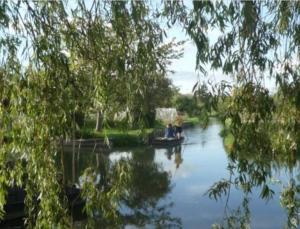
{"x": 184, "y": 81}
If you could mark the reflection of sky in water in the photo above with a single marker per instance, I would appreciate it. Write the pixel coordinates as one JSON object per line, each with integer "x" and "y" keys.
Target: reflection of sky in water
{"x": 202, "y": 162}
{"x": 206, "y": 163}
{"x": 117, "y": 155}
{"x": 113, "y": 157}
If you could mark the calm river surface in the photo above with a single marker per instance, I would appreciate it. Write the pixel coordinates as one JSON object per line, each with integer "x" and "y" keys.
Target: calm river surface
{"x": 170, "y": 184}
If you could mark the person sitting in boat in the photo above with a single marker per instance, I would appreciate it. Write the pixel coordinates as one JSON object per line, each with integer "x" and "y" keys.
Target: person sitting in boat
{"x": 169, "y": 131}
{"x": 178, "y": 125}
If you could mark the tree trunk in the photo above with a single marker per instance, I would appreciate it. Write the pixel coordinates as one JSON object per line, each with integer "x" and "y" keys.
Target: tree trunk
{"x": 99, "y": 121}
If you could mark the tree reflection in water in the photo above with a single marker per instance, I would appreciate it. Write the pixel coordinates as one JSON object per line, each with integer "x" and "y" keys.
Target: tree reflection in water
{"x": 252, "y": 166}
{"x": 137, "y": 185}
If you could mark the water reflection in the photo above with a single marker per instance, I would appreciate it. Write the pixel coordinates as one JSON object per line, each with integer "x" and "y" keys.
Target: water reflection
{"x": 164, "y": 188}
{"x": 178, "y": 159}
{"x": 149, "y": 184}
{"x": 139, "y": 197}
{"x": 176, "y": 151}
{"x": 252, "y": 169}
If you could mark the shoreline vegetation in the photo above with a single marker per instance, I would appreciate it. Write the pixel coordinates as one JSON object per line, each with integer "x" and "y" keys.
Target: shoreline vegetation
{"x": 122, "y": 137}
{"x": 227, "y": 137}
{"x": 64, "y": 62}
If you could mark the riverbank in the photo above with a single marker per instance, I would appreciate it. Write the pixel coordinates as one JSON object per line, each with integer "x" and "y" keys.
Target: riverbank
{"x": 118, "y": 137}
{"x": 191, "y": 122}
{"x": 127, "y": 138}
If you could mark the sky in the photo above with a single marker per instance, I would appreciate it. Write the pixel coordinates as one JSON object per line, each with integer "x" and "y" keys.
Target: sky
{"x": 185, "y": 75}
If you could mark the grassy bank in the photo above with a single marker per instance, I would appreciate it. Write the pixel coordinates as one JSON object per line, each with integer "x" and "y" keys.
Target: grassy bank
{"x": 121, "y": 136}
{"x": 191, "y": 121}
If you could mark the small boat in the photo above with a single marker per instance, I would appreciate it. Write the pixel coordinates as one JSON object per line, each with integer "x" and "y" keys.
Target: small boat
{"x": 162, "y": 141}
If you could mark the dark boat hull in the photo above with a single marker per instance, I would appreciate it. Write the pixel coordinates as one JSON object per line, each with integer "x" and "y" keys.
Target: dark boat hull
{"x": 167, "y": 141}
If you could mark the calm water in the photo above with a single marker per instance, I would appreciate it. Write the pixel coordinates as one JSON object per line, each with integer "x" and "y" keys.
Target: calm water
{"x": 169, "y": 186}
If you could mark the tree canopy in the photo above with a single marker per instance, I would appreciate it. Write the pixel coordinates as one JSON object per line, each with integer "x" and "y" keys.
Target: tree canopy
{"x": 59, "y": 59}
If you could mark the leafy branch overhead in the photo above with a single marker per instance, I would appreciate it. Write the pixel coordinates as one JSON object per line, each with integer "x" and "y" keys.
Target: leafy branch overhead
{"x": 60, "y": 59}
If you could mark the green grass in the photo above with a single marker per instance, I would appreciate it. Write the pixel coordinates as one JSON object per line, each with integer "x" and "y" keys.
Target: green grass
{"x": 159, "y": 124}
{"x": 119, "y": 137}
{"x": 192, "y": 121}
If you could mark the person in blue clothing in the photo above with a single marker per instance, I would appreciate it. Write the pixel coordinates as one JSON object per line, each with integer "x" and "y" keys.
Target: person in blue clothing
{"x": 169, "y": 131}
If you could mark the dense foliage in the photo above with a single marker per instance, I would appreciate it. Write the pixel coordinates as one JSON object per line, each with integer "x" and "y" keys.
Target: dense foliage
{"x": 256, "y": 41}
{"x": 59, "y": 60}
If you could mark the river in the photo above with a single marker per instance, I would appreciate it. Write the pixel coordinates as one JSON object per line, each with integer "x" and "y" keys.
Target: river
{"x": 169, "y": 186}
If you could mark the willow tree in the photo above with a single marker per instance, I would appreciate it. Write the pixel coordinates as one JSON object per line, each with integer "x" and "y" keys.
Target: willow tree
{"x": 56, "y": 59}
{"x": 74, "y": 54}
{"x": 39, "y": 107}
{"x": 146, "y": 60}
{"x": 121, "y": 46}
{"x": 38, "y": 100}
{"x": 253, "y": 41}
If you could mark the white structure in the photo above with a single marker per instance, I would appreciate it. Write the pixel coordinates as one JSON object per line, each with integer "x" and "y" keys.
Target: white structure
{"x": 167, "y": 115}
